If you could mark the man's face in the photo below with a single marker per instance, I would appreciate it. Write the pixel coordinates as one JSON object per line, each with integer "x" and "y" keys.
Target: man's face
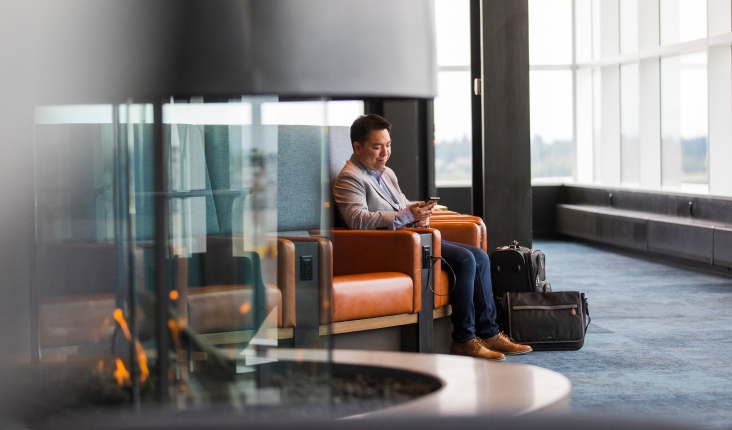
{"x": 375, "y": 151}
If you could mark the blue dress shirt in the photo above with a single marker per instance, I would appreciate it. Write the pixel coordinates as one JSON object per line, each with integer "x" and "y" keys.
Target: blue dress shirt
{"x": 404, "y": 217}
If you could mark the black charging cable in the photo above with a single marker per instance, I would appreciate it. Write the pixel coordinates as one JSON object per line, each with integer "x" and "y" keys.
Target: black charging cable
{"x": 433, "y": 261}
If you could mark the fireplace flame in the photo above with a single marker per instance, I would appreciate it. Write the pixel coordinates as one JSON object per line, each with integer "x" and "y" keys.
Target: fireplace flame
{"x": 119, "y": 317}
{"x": 174, "y": 332}
{"x": 142, "y": 360}
{"x": 122, "y": 375}
{"x": 141, "y": 356}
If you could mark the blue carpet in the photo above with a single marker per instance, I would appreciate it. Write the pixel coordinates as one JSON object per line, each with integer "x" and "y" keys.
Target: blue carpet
{"x": 660, "y": 341}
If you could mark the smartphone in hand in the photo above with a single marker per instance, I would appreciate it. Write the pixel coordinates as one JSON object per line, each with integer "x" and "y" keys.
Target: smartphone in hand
{"x": 430, "y": 200}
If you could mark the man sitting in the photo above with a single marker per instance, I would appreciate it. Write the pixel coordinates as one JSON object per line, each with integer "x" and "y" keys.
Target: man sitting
{"x": 368, "y": 197}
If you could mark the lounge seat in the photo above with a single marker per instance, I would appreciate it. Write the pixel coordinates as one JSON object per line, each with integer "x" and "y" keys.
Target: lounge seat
{"x": 371, "y": 295}
{"x": 370, "y": 279}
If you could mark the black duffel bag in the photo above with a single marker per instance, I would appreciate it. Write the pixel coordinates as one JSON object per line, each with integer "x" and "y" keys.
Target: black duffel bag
{"x": 516, "y": 268}
{"x": 545, "y": 321}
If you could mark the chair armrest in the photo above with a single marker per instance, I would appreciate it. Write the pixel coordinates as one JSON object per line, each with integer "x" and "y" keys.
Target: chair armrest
{"x": 369, "y": 251}
{"x": 286, "y": 274}
{"x": 460, "y": 232}
{"x": 483, "y": 243}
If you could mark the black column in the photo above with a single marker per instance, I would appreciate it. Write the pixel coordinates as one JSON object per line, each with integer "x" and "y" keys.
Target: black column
{"x": 507, "y": 158}
{"x": 476, "y": 102}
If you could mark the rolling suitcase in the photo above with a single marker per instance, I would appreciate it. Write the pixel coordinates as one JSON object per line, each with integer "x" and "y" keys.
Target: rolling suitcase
{"x": 518, "y": 269}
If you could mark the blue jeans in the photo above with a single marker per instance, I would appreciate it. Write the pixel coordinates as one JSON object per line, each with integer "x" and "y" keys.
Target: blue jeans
{"x": 473, "y": 308}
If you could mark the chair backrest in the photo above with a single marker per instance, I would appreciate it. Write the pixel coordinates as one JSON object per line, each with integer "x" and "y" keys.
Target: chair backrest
{"x": 299, "y": 183}
{"x": 339, "y": 151}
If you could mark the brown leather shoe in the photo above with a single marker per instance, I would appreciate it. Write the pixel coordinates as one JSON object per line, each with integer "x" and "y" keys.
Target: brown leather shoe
{"x": 503, "y": 343}
{"x": 475, "y": 348}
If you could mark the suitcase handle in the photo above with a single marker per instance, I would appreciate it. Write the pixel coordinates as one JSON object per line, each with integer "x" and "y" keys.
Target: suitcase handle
{"x": 514, "y": 244}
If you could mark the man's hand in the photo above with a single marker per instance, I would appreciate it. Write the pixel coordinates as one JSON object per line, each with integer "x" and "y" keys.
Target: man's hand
{"x": 423, "y": 223}
{"x": 421, "y": 213}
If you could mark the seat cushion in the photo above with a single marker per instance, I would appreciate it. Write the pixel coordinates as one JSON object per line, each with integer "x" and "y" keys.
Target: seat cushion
{"x": 371, "y": 295}
{"x": 227, "y": 308}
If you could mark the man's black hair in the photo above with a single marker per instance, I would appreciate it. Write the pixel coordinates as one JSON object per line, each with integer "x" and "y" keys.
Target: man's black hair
{"x": 363, "y": 126}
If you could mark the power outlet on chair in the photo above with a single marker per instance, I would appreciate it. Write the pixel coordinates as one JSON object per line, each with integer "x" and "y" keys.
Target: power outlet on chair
{"x": 426, "y": 256}
{"x": 306, "y": 268}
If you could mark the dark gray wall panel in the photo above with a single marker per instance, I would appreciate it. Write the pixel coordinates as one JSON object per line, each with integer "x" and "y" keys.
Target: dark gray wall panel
{"x": 403, "y": 116}
{"x": 455, "y": 198}
{"x": 685, "y": 241}
{"x": 544, "y": 201}
{"x": 577, "y": 223}
{"x": 723, "y": 247}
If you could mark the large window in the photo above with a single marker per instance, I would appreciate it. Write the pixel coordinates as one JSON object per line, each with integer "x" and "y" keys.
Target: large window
{"x": 684, "y": 120}
{"x": 683, "y": 20}
{"x": 551, "y": 87}
{"x": 629, "y": 143}
{"x": 632, "y": 93}
{"x": 551, "y": 123}
{"x": 453, "y": 127}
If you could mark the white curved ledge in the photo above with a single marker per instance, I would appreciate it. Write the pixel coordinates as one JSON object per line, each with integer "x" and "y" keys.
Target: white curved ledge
{"x": 471, "y": 386}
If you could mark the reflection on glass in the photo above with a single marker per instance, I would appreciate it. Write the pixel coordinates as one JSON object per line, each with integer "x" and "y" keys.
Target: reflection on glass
{"x": 551, "y": 123}
{"x": 229, "y": 315}
{"x": 583, "y": 30}
{"x": 453, "y": 135}
{"x": 684, "y": 151}
{"x": 94, "y": 317}
{"x": 683, "y": 20}
{"x": 452, "y": 27}
{"x": 550, "y": 31}
{"x": 629, "y": 128}
{"x": 628, "y": 26}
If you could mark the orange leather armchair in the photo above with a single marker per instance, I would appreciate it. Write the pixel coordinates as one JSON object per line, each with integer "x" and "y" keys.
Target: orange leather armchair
{"x": 375, "y": 273}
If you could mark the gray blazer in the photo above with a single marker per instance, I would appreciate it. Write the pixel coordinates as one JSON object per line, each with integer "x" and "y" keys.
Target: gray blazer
{"x": 363, "y": 204}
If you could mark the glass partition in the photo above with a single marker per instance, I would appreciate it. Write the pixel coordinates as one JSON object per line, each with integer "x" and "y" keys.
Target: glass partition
{"x": 240, "y": 268}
